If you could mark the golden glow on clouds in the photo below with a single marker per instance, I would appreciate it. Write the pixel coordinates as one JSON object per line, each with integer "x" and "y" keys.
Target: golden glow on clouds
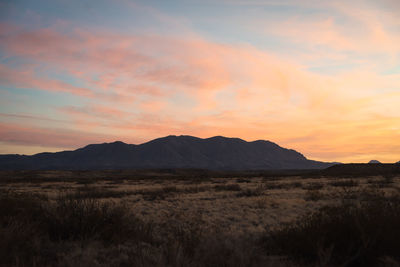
{"x": 137, "y": 87}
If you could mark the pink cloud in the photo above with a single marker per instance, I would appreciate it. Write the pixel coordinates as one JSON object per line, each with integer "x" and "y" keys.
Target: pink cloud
{"x": 26, "y": 79}
{"x": 99, "y": 111}
{"x": 127, "y": 65}
{"x": 29, "y": 117}
{"x": 147, "y": 86}
{"x": 50, "y": 137}
{"x": 371, "y": 30}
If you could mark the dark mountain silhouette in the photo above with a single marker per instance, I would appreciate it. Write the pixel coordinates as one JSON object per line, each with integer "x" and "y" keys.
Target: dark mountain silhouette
{"x": 218, "y": 153}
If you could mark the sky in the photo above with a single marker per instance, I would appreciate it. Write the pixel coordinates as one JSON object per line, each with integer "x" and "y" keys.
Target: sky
{"x": 320, "y": 77}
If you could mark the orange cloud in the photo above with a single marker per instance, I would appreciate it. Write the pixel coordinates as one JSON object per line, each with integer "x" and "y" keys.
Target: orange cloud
{"x": 143, "y": 87}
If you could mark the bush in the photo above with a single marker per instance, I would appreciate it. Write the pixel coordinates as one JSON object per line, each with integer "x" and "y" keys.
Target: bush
{"x": 313, "y": 186}
{"x": 242, "y": 180}
{"x": 351, "y": 234}
{"x": 94, "y": 192}
{"x": 313, "y": 195}
{"x": 190, "y": 241}
{"x": 35, "y": 231}
{"x": 159, "y": 194}
{"x": 384, "y": 182}
{"x": 251, "y": 192}
{"x": 344, "y": 183}
{"x": 228, "y": 187}
{"x": 71, "y": 218}
{"x": 286, "y": 186}
{"x": 21, "y": 239}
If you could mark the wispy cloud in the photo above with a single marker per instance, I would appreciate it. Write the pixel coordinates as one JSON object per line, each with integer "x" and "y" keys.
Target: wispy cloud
{"x": 138, "y": 86}
{"x": 48, "y": 137}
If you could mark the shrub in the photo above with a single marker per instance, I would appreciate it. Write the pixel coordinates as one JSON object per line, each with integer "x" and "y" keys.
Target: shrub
{"x": 351, "y": 234}
{"x": 190, "y": 241}
{"x": 94, "y": 192}
{"x": 286, "y": 186}
{"x": 243, "y": 180}
{"x": 71, "y": 218}
{"x": 313, "y": 195}
{"x": 228, "y": 187}
{"x": 161, "y": 193}
{"x": 384, "y": 182}
{"x": 344, "y": 183}
{"x": 195, "y": 189}
{"x": 21, "y": 239}
{"x": 35, "y": 231}
{"x": 251, "y": 192}
{"x": 313, "y": 186}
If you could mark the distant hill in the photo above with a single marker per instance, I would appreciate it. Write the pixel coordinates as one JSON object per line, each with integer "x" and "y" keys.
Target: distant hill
{"x": 374, "y": 161}
{"x": 360, "y": 169}
{"x": 215, "y": 153}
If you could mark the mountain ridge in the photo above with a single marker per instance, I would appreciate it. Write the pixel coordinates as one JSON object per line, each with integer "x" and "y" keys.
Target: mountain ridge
{"x": 184, "y": 151}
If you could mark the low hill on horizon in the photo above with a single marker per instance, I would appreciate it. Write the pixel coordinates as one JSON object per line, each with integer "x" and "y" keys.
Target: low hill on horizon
{"x": 360, "y": 169}
{"x": 374, "y": 161}
{"x": 215, "y": 153}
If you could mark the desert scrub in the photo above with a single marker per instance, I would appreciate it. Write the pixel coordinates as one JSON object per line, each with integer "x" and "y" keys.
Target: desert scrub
{"x": 71, "y": 218}
{"x": 36, "y": 231}
{"x": 227, "y": 187}
{"x": 357, "y": 233}
{"x": 385, "y": 181}
{"x": 243, "y": 180}
{"x": 264, "y": 202}
{"x": 251, "y": 192}
{"x": 158, "y": 194}
{"x": 344, "y": 183}
{"x": 90, "y": 192}
{"x": 313, "y": 195}
{"x": 313, "y": 186}
{"x": 286, "y": 186}
{"x": 190, "y": 241}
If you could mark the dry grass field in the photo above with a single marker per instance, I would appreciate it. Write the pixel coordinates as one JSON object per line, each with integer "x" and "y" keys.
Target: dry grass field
{"x": 162, "y": 219}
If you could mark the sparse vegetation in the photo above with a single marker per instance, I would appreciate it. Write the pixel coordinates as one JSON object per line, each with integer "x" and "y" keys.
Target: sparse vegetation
{"x": 280, "y": 185}
{"x": 34, "y": 231}
{"x": 228, "y": 187}
{"x": 344, "y": 183}
{"x": 313, "y": 186}
{"x": 38, "y": 232}
{"x": 242, "y": 180}
{"x": 251, "y": 192}
{"x": 215, "y": 222}
{"x": 361, "y": 233}
{"x": 92, "y": 192}
{"x": 160, "y": 193}
{"x": 313, "y": 195}
{"x": 382, "y": 182}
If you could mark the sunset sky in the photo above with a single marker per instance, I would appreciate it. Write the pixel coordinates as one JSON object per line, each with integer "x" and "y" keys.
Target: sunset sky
{"x": 320, "y": 77}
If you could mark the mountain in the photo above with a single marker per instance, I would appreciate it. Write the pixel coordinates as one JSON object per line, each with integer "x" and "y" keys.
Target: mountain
{"x": 374, "y": 161}
{"x": 218, "y": 153}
